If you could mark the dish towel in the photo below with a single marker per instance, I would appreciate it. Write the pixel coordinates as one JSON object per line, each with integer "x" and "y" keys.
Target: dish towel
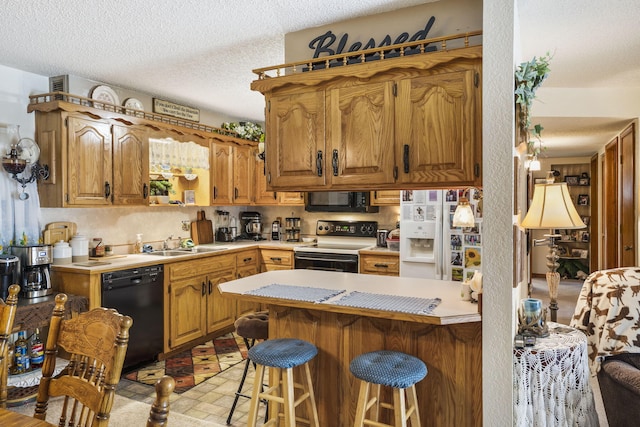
{"x": 296, "y": 293}
{"x": 402, "y": 304}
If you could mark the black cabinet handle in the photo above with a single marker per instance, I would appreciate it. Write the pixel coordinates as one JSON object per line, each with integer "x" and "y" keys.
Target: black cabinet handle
{"x": 107, "y": 189}
{"x": 210, "y": 287}
{"x": 204, "y": 289}
{"x": 215, "y": 192}
{"x": 405, "y": 158}
{"x": 319, "y": 162}
{"x": 381, "y": 265}
{"x": 334, "y": 162}
{"x": 235, "y": 193}
{"x": 276, "y": 259}
{"x": 247, "y": 259}
{"x": 145, "y": 191}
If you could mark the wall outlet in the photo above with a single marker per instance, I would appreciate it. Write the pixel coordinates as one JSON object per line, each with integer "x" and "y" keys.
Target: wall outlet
{"x": 186, "y": 226}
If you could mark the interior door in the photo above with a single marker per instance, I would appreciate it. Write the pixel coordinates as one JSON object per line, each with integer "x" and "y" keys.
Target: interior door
{"x": 627, "y": 242}
{"x": 610, "y": 206}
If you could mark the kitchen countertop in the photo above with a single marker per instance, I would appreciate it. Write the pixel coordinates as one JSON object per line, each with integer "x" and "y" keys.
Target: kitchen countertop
{"x": 141, "y": 260}
{"x": 451, "y": 310}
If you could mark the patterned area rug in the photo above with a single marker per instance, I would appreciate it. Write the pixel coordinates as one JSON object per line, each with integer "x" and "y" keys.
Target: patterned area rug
{"x": 194, "y": 366}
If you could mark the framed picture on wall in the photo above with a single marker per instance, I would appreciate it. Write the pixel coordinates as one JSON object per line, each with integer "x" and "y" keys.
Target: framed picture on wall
{"x": 572, "y": 179}
{"x": 586, "y": 219}
{"x": 583, "y": 200}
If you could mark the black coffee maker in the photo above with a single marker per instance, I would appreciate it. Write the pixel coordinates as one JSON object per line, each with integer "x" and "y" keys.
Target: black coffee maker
{"x": 9, "y": 274}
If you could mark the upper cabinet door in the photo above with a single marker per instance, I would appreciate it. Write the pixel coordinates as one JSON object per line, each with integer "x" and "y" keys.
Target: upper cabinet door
{"x": 295, "y": 147}
{"x": 360, "y": 130}
{"x": 130, "y": 166}
{"x": 243, "y": 165}
{"x": 89, "y": 172}
{"x": 437, "y": 128}
{"x": 221, "y": 174}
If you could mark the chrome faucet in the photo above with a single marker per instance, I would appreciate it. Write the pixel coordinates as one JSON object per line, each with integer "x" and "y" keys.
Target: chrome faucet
{"x": 165, "y": 244}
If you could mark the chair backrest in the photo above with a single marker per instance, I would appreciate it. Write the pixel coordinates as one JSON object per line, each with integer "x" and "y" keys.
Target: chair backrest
{"x": 7, "y": 316}
{"x": 96, "y": 342}
{"x": 160, "y": 409}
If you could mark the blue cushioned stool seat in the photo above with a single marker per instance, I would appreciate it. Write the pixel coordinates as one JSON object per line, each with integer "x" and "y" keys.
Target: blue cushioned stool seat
{"x": 393, "y": 369}
{"x": 282, "y": 356}
{"x": 283, "y": 353}
{"x": 388, "y": 368}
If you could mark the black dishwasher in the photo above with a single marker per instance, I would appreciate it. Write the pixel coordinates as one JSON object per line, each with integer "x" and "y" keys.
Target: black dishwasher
{"x": 137, "y": 293}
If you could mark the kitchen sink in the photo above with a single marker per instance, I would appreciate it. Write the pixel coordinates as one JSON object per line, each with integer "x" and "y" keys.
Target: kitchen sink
{"x": 184, "y": 251}
{"x": 198, "y": 250}
{"x": 173, "y": 252}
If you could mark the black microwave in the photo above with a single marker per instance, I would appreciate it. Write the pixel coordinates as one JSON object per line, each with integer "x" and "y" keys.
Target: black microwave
{"x": 338, "y": 201}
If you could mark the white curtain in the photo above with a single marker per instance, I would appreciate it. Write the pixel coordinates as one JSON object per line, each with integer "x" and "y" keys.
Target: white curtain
{"x": 168, "y": 154}
{"x": 20, "y": 220}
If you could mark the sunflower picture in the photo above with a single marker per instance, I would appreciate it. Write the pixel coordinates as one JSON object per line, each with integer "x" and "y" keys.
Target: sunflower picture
{"x": 472, "y": 258}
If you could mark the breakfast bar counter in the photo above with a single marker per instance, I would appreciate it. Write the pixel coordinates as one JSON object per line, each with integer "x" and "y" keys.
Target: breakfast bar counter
{"x": 346, "y": 314}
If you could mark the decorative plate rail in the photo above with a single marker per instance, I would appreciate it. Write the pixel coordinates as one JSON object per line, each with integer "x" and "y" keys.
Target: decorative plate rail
{"x": 442, "y": 44}
{"x": 102, "y": 105}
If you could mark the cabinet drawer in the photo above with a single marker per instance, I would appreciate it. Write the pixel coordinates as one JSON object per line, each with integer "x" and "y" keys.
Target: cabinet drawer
{"x": 196, "y": 267}
{"x": 247, "y": 258}
{"x": 380, "y": 264}
{"x": 278, "y": 258}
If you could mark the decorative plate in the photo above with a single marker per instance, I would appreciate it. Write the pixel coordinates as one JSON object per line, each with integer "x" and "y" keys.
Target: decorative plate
{"x": 106, "y": 94}
{"x": 29, "y": 150}
{"x": 133, "y": 103}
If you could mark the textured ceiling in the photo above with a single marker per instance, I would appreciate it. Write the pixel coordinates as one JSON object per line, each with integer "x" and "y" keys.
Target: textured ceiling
{"x": 202, "y": 52}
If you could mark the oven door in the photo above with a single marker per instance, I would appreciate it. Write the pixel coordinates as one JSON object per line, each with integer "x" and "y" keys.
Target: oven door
{"x": 347, "y": 263}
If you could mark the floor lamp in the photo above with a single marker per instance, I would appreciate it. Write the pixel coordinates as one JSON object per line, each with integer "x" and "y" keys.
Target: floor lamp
{"x": 552, "y": 208}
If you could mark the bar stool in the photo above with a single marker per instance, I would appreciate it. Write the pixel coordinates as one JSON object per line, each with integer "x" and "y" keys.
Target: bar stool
{"x": 251, "y": 327}
{"x": 392, "y": 369}
{"x": 282, "y": 355}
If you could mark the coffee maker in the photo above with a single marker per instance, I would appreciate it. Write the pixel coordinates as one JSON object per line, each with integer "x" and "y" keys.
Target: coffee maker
{"x": 9, "y": 274}
{"x": 251, "y": 225}
{"x": 35, "y": 271}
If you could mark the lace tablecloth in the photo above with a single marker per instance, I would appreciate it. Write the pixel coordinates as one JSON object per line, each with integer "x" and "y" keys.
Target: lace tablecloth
{"x": 551, "y": 381}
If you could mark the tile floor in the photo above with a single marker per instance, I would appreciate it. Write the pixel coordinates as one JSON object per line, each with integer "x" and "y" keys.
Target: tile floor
{"x": 208, "y": 401}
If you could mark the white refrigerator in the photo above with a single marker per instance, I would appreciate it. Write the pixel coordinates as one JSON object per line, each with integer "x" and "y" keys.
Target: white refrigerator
{"x": 430, "y": 247}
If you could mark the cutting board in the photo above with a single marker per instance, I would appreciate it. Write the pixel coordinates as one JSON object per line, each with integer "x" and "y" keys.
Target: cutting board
{"x": 56, "y": 231}
{"x": 203, "y": 229}
{"x": 194, "y": 229}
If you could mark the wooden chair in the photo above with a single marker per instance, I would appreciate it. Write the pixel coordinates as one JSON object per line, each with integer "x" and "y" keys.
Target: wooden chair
{"x": 160, "y": 408}
{"x": 7, "y": 315}
{"x": 96, "y": 342}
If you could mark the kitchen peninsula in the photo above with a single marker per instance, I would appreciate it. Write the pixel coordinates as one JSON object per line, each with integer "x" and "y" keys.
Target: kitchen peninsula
{"x": 448, "y": 339}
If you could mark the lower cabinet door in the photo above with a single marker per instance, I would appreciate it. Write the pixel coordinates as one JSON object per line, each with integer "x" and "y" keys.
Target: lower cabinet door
{"x": 221, "y": 311}
{"x": 187, "y": 311}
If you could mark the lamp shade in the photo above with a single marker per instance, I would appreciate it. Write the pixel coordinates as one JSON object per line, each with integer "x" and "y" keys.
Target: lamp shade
{"x": 463, "y": 216}
{"x": 552, "y": 207}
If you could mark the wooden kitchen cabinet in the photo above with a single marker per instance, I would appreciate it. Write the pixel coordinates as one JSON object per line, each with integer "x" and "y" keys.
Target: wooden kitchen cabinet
{"x": 231, "y": 174}
{"x": 196, "y": 308}
{"x": 382, "y": 264}
{"x": 92, "y": 162}
{"x": 247, "y": 264}
{"x": 385, "y": 198}
{"x": 401, "y": 123}
{"x": 264, "y": 197}
{"x": 276, "y": 259}
{"x": 437, "y": 130}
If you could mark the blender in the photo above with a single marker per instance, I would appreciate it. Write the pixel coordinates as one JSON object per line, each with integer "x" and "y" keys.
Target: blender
{"x": 223, "y": 230}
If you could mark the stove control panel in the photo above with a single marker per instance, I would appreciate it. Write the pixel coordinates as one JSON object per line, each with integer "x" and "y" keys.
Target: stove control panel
{"x": 347, "y": 228}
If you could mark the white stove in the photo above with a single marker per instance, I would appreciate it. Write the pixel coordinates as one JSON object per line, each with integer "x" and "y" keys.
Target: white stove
{"x": 338, "y": 243}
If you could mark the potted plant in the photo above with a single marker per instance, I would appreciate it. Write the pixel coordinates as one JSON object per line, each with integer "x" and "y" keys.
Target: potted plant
{"x": 528, "y": 78}
{"x": 160, "y": 190}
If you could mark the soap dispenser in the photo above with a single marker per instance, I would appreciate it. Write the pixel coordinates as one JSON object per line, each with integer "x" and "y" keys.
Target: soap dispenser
{"x": 138, "y": 246}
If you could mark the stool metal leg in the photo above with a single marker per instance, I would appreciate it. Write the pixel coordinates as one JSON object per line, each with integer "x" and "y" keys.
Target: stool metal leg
{"x": 239, "y": 393}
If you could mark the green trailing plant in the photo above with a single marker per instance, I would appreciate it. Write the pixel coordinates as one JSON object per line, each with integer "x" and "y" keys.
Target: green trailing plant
{"x": 529, "y": 76}
{"x": 246, "y": 130}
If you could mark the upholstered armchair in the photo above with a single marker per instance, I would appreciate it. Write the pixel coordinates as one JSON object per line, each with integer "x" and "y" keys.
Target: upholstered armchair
{"x": 608, "y": 312}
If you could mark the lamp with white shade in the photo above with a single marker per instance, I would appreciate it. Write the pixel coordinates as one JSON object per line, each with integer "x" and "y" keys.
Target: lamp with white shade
{"x": 552, "y": 208}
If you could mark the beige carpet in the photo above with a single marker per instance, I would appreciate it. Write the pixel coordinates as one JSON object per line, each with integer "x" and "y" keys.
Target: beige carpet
{"x": 125, "y": 413}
